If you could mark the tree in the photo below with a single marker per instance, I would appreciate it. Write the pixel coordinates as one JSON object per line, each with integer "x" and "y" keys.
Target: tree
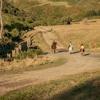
{"x": 1, "y": 20}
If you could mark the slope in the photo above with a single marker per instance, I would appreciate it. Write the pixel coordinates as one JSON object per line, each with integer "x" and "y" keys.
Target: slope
{"x": 51, "y": 12}
{"x": 82, "y": 32}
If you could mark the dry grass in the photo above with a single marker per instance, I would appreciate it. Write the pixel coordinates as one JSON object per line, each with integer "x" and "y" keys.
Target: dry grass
{"x": 29, "y": 64}
{"x": 83, "y": 32}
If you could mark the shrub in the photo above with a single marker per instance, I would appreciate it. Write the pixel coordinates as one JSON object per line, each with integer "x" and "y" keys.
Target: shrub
{"x": 91, "y": 13}
{"x": 31, "y": 53}
{"x": 15, "y": 33}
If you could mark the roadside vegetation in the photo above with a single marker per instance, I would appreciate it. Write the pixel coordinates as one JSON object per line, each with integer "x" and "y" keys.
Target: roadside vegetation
{"x": 19, "y": 66}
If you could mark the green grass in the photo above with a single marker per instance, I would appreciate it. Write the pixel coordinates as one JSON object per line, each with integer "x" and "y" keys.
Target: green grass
{"x": 84, "y": 86}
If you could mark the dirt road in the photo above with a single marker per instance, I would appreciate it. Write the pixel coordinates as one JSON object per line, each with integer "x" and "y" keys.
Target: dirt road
{"x": 75, "y": 64}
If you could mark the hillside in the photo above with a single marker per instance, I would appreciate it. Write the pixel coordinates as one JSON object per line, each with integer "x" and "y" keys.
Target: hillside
{"x": 16, "y": 21}
{"x": 51, "y": 12}
{"x": 30, "y": 13}
{"x": 20, "y": 16}
{"x": 81, "y": 32}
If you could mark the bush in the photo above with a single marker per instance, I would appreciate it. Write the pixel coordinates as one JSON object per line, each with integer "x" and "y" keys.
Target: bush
{"x": 91, "y": 13}
{"x": 15, "y": 33}
{"x": 30, "y": 53}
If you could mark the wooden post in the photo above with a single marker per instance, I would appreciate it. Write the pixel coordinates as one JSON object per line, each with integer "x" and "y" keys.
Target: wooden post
{"x": 1, "y": 20}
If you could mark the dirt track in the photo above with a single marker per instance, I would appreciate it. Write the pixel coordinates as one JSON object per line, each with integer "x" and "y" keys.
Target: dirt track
{"x": 74, "y": 65}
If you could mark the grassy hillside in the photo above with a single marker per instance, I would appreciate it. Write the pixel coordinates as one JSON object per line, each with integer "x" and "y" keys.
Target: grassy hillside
{"x": 77, "y": 2}
{"x": 80, "y": 33}
{"x": 46, "y": 12}
{"x": 86, "y": 31}
{"x": 20, "y": 16}
{"x": 23, "y": 4}
{"x": 43, "y": 12}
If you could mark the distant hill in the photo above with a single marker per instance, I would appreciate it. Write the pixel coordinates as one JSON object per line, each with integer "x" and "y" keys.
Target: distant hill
{"x": 51, "y": 12}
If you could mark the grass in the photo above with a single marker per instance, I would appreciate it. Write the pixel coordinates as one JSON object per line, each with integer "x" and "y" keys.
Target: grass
{"x": 73, "y": 2}
{"x": 47, "y": 64}
{"x": 25, "y": 14}
{"x": 39, "y": 40}
{"x": 84, "y": 86}
{"x": 69, "y": 1}
{"x": 58, "y": 14}
{"x": 75, "y": 34}
{"x": 23, "y": 4}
